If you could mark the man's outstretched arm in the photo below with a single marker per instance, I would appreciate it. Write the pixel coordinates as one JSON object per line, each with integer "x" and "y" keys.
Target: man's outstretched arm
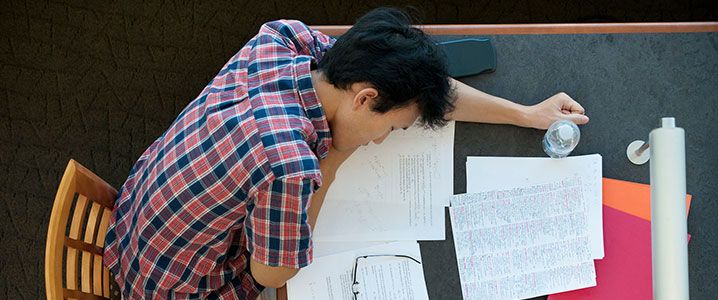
{"x": 473, "y": 105}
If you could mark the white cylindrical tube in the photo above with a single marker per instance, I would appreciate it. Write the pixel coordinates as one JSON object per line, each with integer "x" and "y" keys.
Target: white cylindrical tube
{"x": 669, "y": 241}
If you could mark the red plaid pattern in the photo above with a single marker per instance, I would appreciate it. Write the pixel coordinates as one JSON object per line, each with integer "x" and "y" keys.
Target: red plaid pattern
{"x": 231, "y": 179}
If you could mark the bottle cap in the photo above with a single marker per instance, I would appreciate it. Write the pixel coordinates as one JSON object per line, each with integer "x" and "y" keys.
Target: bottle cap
{"x": 565, "y": 132}
{"x": 669, "y": 122}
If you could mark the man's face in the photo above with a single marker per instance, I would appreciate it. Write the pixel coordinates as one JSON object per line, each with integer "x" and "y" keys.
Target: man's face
{"x": 356, "y": 124}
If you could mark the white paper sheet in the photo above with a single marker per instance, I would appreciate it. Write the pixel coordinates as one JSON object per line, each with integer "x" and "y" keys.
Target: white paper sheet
{"x": 330, "y": 277}
{"x": 493, "y": 173}
{"x": 543, "y": 281}
{"x": 329, "y": 248}
{"x": 393, "y": 191}
{"x": 523, "y": 242}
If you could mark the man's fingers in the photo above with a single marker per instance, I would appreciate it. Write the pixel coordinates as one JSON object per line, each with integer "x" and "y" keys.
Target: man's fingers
{"x": 573, "y": 107}
{"x": 578, "y": 118}
{"x": 567, "y": 103}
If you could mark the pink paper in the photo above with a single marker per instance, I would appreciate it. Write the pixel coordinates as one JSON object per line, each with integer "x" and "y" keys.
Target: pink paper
{"x": 625, "y": 271}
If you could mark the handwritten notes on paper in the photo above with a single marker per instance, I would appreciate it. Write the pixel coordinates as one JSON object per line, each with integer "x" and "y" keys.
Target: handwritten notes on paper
{"x": 523, "y": 242}
{"x": 502, "y": 173}
{"x": 396, "y": 190}
{"x": 528, "y": 226}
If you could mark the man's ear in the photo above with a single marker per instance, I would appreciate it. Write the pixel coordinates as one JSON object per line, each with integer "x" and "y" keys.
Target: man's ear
{"x": 365, "y": 96}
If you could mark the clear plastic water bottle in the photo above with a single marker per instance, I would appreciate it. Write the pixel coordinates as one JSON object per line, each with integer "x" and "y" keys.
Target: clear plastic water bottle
{"x": 561, "y": 138}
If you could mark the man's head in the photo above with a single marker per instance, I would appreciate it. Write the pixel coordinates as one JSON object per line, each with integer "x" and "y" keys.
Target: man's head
{"x": 391, "y": 73}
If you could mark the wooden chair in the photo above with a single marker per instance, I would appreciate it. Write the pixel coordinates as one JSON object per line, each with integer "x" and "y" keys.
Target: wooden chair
{"x": 85, "y": 201}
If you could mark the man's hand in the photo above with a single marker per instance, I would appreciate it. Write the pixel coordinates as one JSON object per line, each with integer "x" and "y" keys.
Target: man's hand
{"x": 556, "y": 107}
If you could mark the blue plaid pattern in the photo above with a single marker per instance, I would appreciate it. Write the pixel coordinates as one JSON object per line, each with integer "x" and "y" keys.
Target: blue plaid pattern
{"x": 230, "y": 180}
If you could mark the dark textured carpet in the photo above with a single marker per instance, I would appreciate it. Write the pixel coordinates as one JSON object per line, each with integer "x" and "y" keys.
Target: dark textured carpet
{"x": 97, "y": 81}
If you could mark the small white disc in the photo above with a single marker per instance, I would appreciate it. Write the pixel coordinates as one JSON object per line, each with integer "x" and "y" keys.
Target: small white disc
{"x": 635, "y": 157}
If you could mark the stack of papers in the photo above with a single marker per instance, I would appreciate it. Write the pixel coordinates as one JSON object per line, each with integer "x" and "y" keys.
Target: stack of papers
{"x": 530, "y": 227}
{"x": 395, "y": 191}
{"x": 495, "y": 173}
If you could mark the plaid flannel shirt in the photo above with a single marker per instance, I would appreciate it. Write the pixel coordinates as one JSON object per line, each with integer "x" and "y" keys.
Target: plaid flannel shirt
{"x": 231, "y": 179}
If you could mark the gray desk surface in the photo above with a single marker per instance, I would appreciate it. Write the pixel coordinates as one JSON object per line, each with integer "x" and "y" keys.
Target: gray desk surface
{"x": 626, "y": 83}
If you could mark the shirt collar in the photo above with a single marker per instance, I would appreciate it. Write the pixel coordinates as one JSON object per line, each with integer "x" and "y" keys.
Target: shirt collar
{"x": 312, "y": 106}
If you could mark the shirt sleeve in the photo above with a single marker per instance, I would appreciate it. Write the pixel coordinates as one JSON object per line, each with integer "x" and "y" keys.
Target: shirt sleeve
{"x": 277, "y": 228}
{"x": 296, "y": 37}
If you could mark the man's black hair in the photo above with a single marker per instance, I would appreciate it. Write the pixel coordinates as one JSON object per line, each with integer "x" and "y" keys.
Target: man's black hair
{"x": 400, "y": 61}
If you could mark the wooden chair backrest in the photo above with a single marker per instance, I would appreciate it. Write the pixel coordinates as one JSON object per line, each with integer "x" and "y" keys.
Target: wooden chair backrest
{"x": 73, "y": 254}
